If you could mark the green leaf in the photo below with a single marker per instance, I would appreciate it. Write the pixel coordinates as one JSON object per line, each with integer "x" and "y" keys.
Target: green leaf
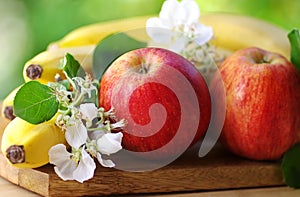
{"x": 294, "y": 38}
{"x": 111, "y": 48}
{"x": 35, "y": 103}
{"x": 291, "y": 166}
{"x": 72, "y": 67}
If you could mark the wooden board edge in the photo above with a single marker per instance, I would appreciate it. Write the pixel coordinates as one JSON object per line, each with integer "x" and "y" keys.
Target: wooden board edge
{"x": 45, "y": 182}
{"x": 8, "y": 172}
{"x": 30, "y": 179}
{"x": 35, "y": 181}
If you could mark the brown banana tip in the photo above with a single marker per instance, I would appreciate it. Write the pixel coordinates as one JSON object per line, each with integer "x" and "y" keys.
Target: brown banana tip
{"x": 34, "y": 71}
{"x": 15, "y": 154}
{"x": 9, "y": 112}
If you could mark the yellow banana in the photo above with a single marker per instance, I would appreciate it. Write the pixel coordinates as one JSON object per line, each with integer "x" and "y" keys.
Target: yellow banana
{"x": 26, "y": 145}
{"x": 44, "y": 66}
{"x": 7, "y": 111}
{"x": 231, "y": 32}
{"x": 92, "y": 34}
{"x": 234, "y": 32}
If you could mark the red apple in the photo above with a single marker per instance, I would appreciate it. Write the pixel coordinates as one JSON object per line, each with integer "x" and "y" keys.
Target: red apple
{"x": 161, "y": 96}
{"x": 262, "y": 104}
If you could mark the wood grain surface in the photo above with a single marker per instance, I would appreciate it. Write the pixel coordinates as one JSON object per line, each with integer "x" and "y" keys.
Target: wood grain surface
{"x": 218, "y": 170}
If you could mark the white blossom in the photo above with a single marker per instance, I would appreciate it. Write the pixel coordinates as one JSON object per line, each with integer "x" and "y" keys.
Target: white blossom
{"x": 59, "y": 156}
{"x": 107, "y": 144}
{"x": 85, "y": 169}
{"x": 86, "y": 145}
{"x": 89, "y": 112}
{"x": 105, "y": 162}
{"x": 110, "y": 143}
{"x": 69, "y": 167}
{"x": 178, "y": 25}
{"x": 87, "y": 130}
{"x": 76, "y": 135}
{"x": 86, "y": 85}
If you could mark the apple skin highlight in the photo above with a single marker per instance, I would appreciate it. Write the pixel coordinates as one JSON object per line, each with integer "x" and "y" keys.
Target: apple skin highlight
{"x": 138, "y": 80}
{"x": 262, "y": 104}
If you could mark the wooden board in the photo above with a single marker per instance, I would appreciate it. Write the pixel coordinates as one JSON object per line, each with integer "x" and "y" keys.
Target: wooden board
{"x": 218, "y": 170}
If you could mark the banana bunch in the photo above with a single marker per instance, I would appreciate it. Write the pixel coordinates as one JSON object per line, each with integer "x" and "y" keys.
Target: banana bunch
{"x": 25, "y": 145}
{"x": 44, "y": 66}
{"x": 234, "y": 32}
{"x": 94, "y": 33}
{"x": 7, "y": 111}
{"x": 231, "y": 32}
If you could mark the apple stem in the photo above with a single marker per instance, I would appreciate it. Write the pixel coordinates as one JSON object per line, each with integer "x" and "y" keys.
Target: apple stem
{"x": 263, "y": 61}
{"x": 144, "y": 68}
{"x": 294, "y": 38}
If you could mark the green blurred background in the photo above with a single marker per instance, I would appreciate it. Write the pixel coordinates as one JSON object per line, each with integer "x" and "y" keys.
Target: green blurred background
{"x": 28, "y": 26}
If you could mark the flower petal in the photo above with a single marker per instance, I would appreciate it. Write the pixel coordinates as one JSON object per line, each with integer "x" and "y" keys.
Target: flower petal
{"x": 85, "y": 169}
{"x": 76, "y": 135}
{"x": 105, "y": 162}
{"x": 58, "y": 154}
{"x": 167, "y": 11}
{"x": 178, "y": 44}
{"x": 203, "y": 34}
{"x": 158, "y": 31}
{"x": 89, "y": 111}
{"x": 64, "y": 165}
{"x": 94, "y": 135}
{"x": 154, "y": 22}
{"x": 110, "y": 143}
{"x": 192, "y": 12}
